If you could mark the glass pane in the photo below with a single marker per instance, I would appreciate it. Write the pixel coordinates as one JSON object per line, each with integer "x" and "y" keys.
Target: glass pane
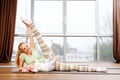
{"x": 23, "y": 10}
{"x": 55, "y": 43}
{"x": 80, "y": 49}
{"x": 48, "y": 16}
{"x": 17, "y": 41}
{"x": 105, "y": 16}
{"x": 106, "y": 49}
{"x": 80, "y": 16}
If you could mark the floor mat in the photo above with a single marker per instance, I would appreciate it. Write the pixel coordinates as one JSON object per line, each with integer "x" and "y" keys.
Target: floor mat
{"x": 70, "y": 72}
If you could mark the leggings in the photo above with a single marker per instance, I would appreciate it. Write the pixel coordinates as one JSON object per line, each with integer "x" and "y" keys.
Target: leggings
{"x": 46, "y": 51}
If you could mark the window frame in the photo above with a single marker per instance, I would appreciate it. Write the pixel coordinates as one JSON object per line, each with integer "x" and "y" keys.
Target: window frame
{"x": 65, "y": 35}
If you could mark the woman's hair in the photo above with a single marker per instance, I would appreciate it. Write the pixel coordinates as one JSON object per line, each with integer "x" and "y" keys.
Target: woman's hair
{"x": 18, "y": 53}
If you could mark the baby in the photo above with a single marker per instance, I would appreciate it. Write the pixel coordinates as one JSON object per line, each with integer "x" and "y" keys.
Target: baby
{"x": 47, "y": 66}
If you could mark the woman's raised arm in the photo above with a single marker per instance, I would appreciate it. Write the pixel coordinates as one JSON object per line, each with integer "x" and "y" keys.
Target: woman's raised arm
{"x": 28, "y": 23}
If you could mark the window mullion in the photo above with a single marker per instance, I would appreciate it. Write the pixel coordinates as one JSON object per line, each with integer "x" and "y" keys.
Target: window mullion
{"x": 32, "y": 9}
{"x": 97, "y": 30}
{"x": 64, "y": 27}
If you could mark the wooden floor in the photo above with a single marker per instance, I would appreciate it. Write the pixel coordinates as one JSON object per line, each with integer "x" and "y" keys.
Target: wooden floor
{"x": 8, "y": 71}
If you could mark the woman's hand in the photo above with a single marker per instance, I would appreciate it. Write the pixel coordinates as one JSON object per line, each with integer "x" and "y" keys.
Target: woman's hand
{"x": 21, "y": 69}
{"x": 24, "y": 70}
{"x": 27, "y": 22}
{"x": 29, "y": 67}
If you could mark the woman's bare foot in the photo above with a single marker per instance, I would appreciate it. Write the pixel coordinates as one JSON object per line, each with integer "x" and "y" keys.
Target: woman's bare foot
{"x": 100, "y": 69}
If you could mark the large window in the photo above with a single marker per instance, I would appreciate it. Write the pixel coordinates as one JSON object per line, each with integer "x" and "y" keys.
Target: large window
{"x": 77, "y": 30}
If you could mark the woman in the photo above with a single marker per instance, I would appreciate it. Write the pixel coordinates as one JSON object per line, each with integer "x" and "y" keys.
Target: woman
{"x": 28, "y": 54}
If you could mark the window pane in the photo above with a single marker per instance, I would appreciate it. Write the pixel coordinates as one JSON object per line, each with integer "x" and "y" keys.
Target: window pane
{"x": 48, "y": 16}
{"x": 105, "y": 16}
{"x": 23, "y": 10}
{"x": 55, "y": 43}
{"x": 80, "y": 49}
{"x": 106, "y": 49}
{"x": 80, "y": 16}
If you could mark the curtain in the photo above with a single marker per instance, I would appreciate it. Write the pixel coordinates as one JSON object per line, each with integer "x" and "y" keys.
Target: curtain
{"x": 116, "y": 30}
{"x": 7, "y": 28}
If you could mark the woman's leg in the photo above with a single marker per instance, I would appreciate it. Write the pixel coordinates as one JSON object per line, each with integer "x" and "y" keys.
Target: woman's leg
{"x": 46, "y": 51}
{"x": 61, "y": 66}
{"x": 44, "y": 47}
{"x": 80, "y": 68}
